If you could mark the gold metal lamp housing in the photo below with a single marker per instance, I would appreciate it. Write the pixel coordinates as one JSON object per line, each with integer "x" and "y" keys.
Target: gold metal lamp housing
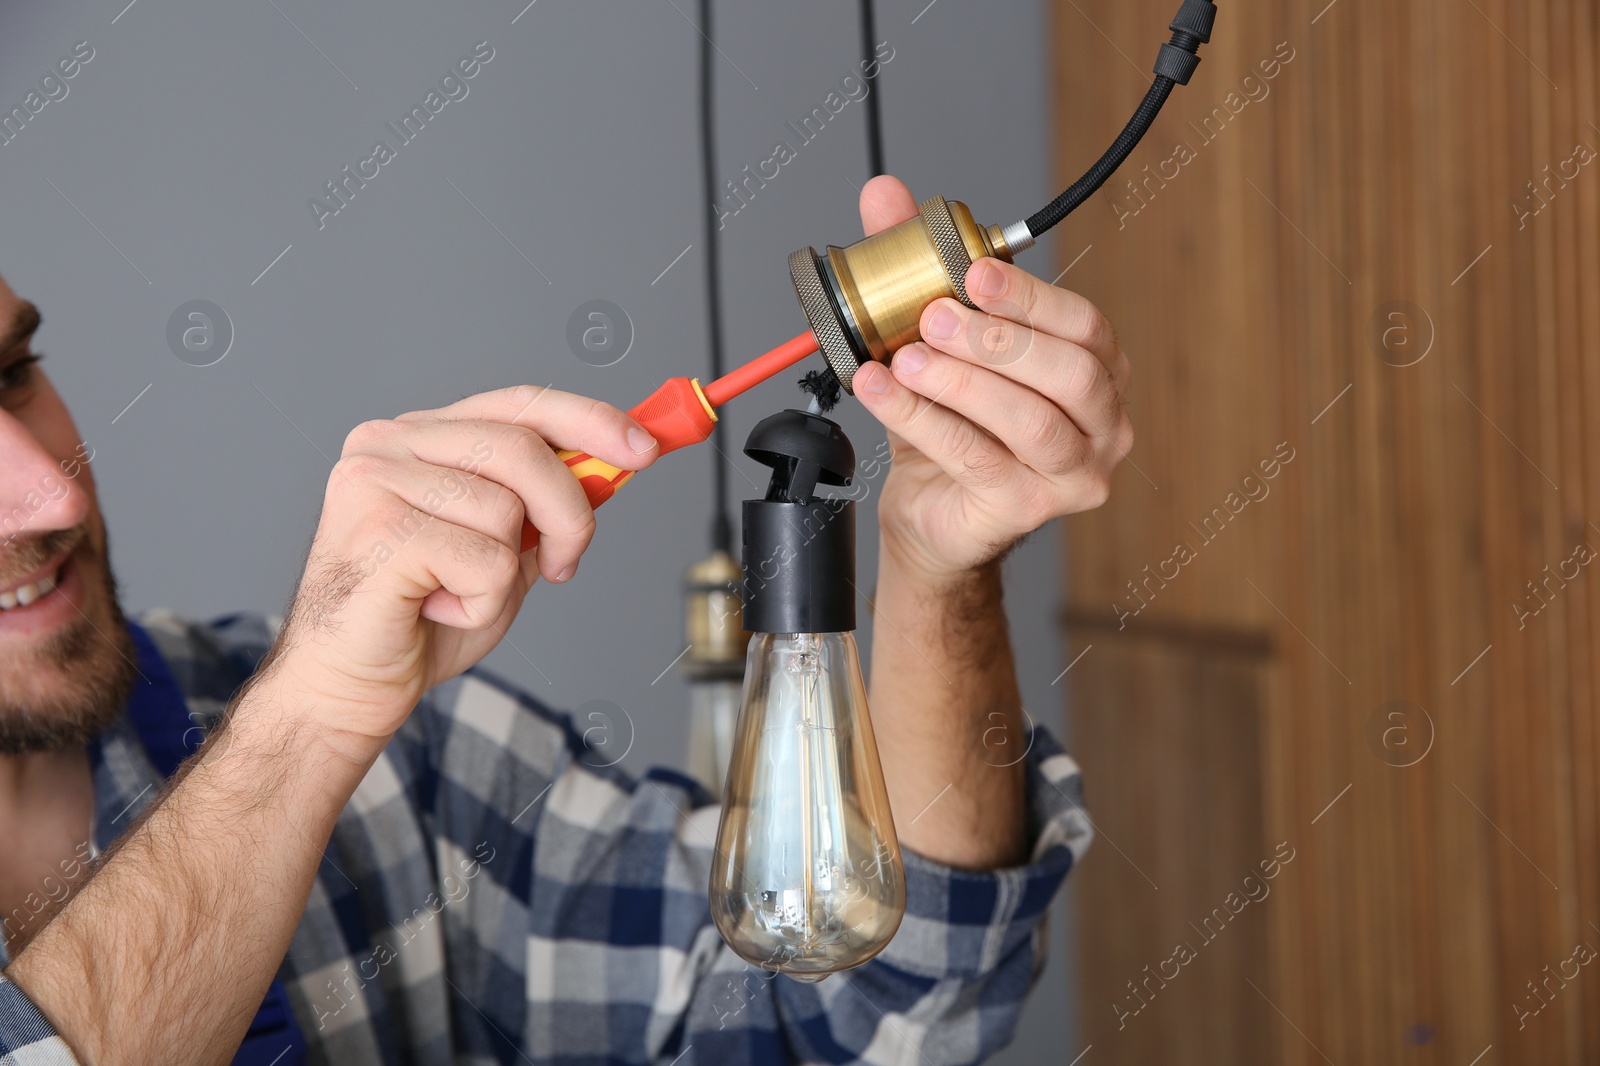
{"x": 866, "y": 301}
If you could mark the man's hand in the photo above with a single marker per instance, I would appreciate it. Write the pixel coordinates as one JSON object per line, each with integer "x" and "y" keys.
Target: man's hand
{"x": 1002, "y": 419}
{"x": 414, "y": 573}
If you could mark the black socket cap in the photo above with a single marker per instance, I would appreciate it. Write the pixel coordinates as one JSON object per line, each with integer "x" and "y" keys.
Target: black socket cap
{"x": 799, "y": 549}
{"x": 804, "y": 450}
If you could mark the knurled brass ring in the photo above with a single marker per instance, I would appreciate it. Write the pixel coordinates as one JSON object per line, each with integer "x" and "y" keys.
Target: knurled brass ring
{"x": 952, "y": 252}
{"x": 820, "y": 314}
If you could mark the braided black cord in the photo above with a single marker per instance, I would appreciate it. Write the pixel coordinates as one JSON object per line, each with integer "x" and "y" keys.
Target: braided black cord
{"x": 1107, "y": 164}
{"x": 1175, "y": 63}
{"x": 874, "y": 113}
{"x": 721, "y": 520}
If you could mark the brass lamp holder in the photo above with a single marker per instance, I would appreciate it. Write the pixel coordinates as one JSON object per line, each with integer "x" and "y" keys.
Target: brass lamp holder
{"x": 865, "y": 301}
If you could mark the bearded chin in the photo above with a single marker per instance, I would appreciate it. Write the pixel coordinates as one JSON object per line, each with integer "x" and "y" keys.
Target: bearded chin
{"x": 80, "y": 678}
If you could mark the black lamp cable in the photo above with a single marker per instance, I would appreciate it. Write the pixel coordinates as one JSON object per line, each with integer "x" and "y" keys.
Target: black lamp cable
{"x": 1175, "y": 63}
{"x": 869, "y": 60}
{"x": 721, "y": 521}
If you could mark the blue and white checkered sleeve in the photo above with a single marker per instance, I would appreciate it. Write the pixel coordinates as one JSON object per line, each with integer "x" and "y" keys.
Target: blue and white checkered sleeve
{"x": 950, "y": 985}
{"x": 26, "y": 1038}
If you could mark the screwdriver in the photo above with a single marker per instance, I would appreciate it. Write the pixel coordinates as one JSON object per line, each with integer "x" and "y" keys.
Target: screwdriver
{"x": 678, "y": 414}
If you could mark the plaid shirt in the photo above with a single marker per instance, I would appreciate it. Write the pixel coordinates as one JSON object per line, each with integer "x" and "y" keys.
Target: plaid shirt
{"x": 488, "y": 896}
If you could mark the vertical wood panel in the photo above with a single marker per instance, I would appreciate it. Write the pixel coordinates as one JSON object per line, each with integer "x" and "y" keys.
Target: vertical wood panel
{"x": 1424, "y": 502}
{"x": 1197, "y": 707}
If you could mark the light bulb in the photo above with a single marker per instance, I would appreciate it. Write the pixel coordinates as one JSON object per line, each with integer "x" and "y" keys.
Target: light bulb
{"x": 807, "y": 878}
{"x": 713, "y": 714}
{"x": 714, "y": 663}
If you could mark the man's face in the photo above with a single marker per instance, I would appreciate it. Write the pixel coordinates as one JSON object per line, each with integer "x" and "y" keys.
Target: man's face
{"x": 66, "y": 660}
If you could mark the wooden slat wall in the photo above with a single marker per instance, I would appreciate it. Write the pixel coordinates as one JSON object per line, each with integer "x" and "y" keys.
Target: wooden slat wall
{"x": 1386, "y": 556}
{"x": 1195, "y": 705}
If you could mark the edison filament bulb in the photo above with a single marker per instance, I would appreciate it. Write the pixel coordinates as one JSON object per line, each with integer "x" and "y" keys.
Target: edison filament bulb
{"x": 714, "y": 664}
{"x": 807, "y": 877}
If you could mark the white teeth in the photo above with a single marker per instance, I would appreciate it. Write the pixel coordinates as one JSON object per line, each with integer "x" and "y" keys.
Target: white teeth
{"x": 26, "y": 594}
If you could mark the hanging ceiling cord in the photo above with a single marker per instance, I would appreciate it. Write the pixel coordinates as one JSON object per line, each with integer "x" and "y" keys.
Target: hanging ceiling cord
{"x": 869, "y": 61}
{"x": 721, "y": 521}
{"x": 1175, "y": 63}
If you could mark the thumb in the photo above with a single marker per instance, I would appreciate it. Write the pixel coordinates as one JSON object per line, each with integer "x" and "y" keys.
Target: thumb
{"x": 885, "y": 202}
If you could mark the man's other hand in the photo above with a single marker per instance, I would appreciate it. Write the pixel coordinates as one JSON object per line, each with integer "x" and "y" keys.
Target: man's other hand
{"x": 1000, "y": 420}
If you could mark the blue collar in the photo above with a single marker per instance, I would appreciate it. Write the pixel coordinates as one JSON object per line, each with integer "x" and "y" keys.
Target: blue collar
{"x": 158, "y": 710}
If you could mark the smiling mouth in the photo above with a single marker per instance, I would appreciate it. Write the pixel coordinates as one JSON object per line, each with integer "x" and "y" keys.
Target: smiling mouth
{"x": 22, "y": 588}
{"x": 23, "y": 595}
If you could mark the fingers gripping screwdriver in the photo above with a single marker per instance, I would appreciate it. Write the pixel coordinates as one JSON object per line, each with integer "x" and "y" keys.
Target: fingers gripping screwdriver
{"x": 680, "y": 413}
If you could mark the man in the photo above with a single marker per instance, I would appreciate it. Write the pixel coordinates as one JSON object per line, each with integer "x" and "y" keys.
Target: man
{"x": 414, "y": 864}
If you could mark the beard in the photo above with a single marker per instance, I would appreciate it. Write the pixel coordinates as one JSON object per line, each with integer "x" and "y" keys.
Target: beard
{"x": 72, "y": 685}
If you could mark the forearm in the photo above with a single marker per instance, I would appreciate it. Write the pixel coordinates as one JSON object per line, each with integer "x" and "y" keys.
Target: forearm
{"x": 166, "y": 953}
{"x": 947, "y": 715}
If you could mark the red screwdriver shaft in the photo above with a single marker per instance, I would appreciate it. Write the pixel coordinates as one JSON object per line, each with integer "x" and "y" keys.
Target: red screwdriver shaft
{"x": 678, "y": 414}
{"x": 760, "y": 369}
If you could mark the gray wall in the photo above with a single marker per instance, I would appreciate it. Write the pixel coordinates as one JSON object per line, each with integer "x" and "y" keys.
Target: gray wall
{"x": 183, "y": 156}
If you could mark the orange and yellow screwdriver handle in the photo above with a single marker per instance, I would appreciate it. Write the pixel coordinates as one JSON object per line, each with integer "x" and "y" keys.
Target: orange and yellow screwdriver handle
{"x": 677, "y": 415}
